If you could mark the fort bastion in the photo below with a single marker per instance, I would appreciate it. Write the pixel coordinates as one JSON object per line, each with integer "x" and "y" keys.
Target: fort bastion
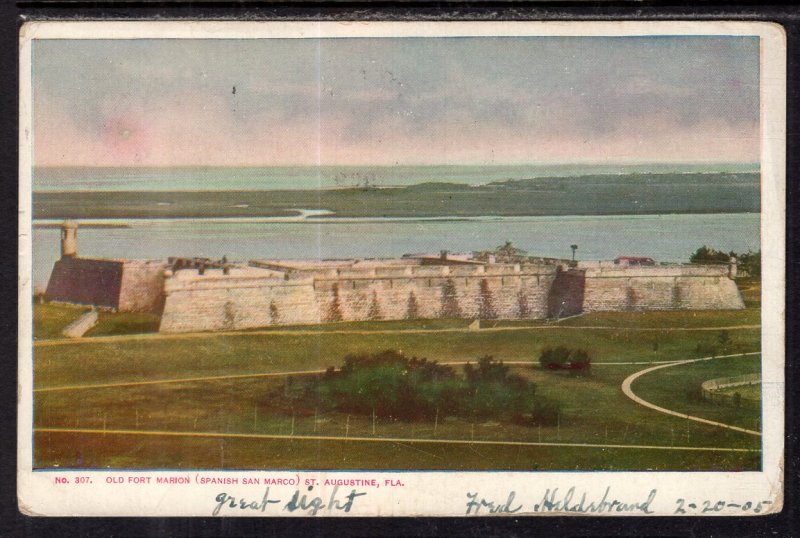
{"x": 205, "y": 295}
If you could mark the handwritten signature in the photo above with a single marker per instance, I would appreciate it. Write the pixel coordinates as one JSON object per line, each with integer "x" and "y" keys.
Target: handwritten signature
{"x": 553, "y": 502}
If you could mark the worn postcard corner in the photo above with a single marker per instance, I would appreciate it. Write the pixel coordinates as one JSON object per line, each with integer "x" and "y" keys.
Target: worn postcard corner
{"x": 396, "y": 269}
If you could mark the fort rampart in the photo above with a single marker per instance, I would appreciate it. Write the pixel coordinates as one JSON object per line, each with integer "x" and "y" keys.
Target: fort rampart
{"x": 204, "y": 295}
{"x": 501, "y": 291}
{"x": 661, "y": 287}
{"x": 216, "y": 302}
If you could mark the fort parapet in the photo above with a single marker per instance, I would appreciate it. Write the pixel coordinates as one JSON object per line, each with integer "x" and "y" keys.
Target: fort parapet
{"x": 204, "y": 295}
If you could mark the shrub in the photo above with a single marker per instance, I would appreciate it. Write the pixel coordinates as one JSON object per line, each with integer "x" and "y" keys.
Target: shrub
{"x": 392, "y": 385}
{"x": 580, "y": 362}
{"x": 577, "y": 361}
{"x": 554, "y": 358}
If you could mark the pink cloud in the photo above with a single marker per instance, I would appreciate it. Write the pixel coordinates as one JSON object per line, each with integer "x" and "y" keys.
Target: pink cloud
{"x": 198, "y": 129}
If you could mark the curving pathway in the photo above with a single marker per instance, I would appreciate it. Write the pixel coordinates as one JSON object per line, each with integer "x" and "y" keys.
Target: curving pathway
{"x": 626, "y": 389}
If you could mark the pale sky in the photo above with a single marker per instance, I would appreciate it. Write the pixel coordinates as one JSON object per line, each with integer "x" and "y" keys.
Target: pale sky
{"x": 395, "y": 100}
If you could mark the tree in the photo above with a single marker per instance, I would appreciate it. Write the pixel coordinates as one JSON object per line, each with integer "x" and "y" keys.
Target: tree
{"x": 750, "y": 263}
{"x": 709, "y": 255}
{"x": 486, "y": 308}
{"x": 450, "y": 308}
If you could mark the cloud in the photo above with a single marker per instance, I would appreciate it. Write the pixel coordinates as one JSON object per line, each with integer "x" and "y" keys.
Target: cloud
{"x": 368, "y": 101}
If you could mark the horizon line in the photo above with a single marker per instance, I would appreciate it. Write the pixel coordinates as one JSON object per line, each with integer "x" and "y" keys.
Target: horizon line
{"x": 398, "y": 165}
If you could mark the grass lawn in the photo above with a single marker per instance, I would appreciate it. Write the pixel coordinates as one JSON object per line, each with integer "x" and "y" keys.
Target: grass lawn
{"x": 594, "y": 412}
{"x": 121, "y": 451}
{"x": 659, "y": 387}
{"x": 50, "y": 319}
{"x": 109, "y": 323}
{"x": 593, "y": 409}
{"x": 211, "y": 354}
{"x": 747, "y": 392}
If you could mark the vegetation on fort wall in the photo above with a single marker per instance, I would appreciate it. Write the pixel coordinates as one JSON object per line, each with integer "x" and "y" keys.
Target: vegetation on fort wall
{"x": 449, "y": 308}
{"x": 390, "y": 385}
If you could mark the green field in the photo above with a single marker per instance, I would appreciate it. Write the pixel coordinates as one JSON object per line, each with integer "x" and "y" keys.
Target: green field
{"x": 50, "y": 319}
{"x": 593, "y": 409}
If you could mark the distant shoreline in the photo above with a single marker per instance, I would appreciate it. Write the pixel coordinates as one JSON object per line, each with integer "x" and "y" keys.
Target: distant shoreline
{"x": 634, "y": 194}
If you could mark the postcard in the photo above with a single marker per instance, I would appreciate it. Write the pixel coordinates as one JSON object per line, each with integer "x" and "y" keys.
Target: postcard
{"x": 401, "y": 268}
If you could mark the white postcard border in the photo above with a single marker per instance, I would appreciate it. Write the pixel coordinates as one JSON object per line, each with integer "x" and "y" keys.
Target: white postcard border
{"x": 425, "y": 493}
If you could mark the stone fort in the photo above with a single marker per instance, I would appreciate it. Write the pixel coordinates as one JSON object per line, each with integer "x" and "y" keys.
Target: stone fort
{"x": 198, "y": 294}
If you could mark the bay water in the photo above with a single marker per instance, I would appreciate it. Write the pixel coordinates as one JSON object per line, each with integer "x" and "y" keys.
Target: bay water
{"x": 666, "y": 238}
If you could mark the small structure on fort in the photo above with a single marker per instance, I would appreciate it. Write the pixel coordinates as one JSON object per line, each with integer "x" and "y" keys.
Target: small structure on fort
{"x": 200, "y": 294}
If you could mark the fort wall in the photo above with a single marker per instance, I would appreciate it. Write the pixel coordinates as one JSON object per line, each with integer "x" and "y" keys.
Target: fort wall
{"x": 213, "y": 301}
{"x": 216, "y": 302}
{"x": 142, "y": 286}
{"x": 493, "y": 292}
{"x": 85, "y": 281}
{"x": 567, "y": 294}
{"x": 683, "y": 287}
{"x": 258, "y": 297}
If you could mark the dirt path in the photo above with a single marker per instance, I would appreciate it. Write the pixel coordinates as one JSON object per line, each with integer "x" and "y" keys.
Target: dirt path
{"x": 626, "y": 389}
{"x": 380, "y": 439}
{"x": 304, "y": 332}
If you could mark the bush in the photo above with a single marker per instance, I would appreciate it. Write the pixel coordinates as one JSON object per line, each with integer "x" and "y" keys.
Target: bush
{"x": 562, "y": 358}
{"x": 580, "y": 362}
{"x": 554, "y": 359}
{"x": 392, "y": 385}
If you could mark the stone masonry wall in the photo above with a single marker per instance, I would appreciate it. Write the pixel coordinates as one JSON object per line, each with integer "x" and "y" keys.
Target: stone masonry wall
{"x": 425, "y": 292}
{"x": 142, "y": 288}
{"x": 217, "y": 302}
{"x": 567, "y": 294}
{"x": 227, "y": 303}
{"x": 85, "y": 281}
{"x": 660, "y": 288}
